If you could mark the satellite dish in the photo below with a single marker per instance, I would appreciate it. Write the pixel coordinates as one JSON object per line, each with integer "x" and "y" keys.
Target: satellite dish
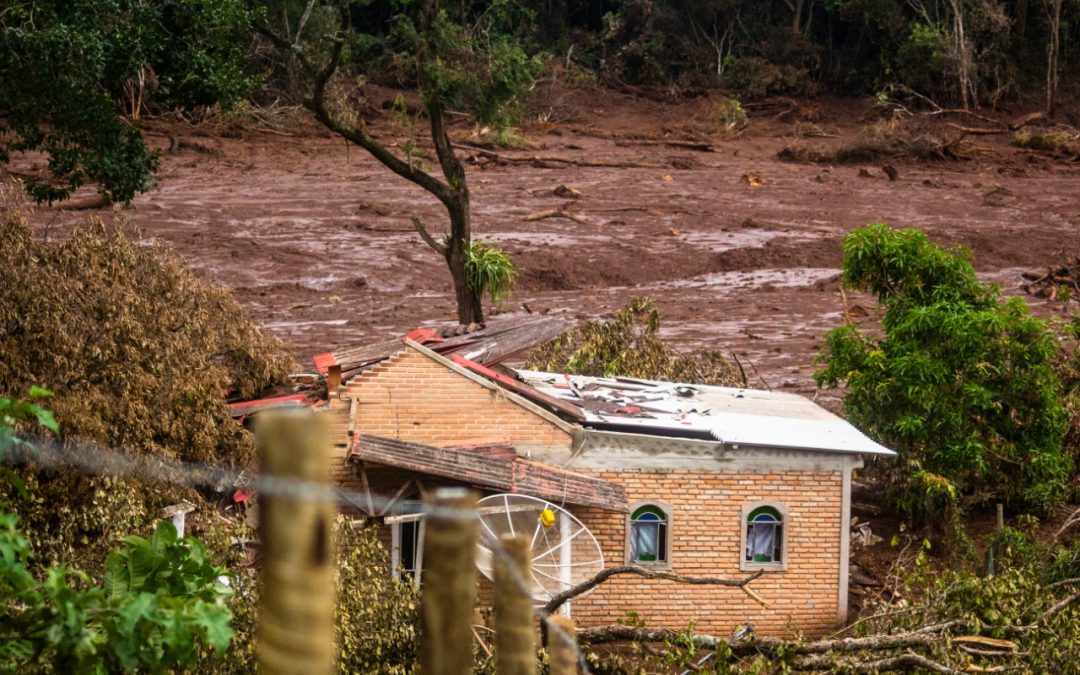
{"x": 564, "y": 551}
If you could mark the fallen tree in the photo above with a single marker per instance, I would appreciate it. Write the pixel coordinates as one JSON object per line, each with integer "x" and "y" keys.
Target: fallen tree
{"x": 964, "y": 623}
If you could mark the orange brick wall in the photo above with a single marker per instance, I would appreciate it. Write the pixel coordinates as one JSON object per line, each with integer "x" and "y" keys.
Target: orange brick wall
{"x": 413, "y": 398}
{"x": 705, "y": 541}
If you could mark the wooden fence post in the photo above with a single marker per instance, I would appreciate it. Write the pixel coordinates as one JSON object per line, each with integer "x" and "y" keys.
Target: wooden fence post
{"x": 515, "y": 639}
{"x": 449, "y": 593}
{"x": 562, "y": 646}
{"x": 296, "y": 523}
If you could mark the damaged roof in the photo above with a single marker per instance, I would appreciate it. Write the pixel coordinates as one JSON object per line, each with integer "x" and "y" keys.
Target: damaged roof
{"x": 487, "y": 344}
{"x": 729, "y": 415}
{"x": 489, "y": 467}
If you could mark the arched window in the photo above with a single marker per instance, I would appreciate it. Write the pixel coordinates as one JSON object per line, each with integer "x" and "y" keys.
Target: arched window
{"x": 649, "y": 534}
{"x": 763, "y": 537}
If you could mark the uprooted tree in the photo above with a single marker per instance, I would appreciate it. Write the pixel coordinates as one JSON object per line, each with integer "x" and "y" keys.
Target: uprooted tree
{"x": 453, "y": 65}
{"x": 629, "y": 345}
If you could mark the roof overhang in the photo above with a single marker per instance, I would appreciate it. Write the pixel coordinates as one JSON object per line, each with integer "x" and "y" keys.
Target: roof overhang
{"x": 502, "y": 471}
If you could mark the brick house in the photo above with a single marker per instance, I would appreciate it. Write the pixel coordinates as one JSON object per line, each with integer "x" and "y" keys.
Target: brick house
{"x": 702, "y": 481}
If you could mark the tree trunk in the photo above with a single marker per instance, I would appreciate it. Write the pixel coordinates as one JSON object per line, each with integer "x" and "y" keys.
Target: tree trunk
{"x": 1021, "y": 19}
{"x": 796, "y": 19}
{"x": 962, "y": 55}
{"x": 470, "y": 307}
{"x": 1052, "y": 57}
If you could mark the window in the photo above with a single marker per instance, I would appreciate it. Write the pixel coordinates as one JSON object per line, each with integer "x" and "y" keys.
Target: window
{"x": 649, "y": 534}
{"x": 407, "y": 546}
{"x": 763, "y": 537}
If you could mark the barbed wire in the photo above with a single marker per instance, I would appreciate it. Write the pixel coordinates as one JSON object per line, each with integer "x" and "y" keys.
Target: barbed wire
{"x": 92, "y": 459}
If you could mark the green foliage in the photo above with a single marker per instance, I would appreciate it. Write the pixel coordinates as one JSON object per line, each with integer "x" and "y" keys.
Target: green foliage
{"x": 378, "y": 619}
{"x": 160, "y": 606}
{"x": 489, "y": 270}
{"x": 629, "y": 345}
{"x": 961, "y": 384}
{"x": 140, "y": 351}
{"x": 68, "y": 67}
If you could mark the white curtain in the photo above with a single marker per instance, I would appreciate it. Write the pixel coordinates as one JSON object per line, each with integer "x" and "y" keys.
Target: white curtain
{"x": 760, "y": 540}
{"x": 645, "y": 541}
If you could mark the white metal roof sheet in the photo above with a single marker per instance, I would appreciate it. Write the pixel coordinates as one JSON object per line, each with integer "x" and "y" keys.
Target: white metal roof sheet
{"x": 733, "y": 416}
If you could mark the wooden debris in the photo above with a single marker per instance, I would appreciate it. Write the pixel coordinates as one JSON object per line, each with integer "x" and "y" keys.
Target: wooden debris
{"x": 558, "y": 212}
{"x": 566, "y": 192}
{"x": 697, "y": 146}
{"x": 1054, "y": 282}
{"x": 975, "y": 130}
{"x": 753, "y": 179}
{"x": 483, "y": 157}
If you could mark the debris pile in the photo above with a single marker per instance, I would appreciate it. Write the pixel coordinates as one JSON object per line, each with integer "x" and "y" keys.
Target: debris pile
{"x": 1060, "y": 282}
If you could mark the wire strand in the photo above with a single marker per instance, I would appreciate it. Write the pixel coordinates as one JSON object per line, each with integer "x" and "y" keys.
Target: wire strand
{"x": 94, "y": 460}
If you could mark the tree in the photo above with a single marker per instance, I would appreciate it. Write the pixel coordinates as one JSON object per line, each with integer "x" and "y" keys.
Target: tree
{"x": 76, "y": 74}
{"x": 961, "y": 383}
{"x": 141, "y": 352}
{"x": 477, "y": 66}
{"x": 1053, "y": 54}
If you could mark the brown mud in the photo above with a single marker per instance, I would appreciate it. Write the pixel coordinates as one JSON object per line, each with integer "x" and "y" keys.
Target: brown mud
{"x": 314, "y": 236}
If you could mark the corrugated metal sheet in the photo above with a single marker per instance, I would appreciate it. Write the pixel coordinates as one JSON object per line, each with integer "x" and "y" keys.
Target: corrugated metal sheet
{"x": 733, "y": 416}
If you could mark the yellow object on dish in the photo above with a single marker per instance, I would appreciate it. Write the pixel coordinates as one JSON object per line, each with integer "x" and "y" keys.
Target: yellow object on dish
{"x": 547, "y": 517}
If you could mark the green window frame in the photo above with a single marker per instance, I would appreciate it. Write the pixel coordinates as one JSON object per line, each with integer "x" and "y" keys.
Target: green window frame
{"x": 764, "y": 536}
{"x": 649, "y": 531}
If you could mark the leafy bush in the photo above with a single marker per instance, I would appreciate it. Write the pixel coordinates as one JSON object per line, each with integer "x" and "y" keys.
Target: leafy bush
{"x": 961, "y": 384}
{"x": 378, "y": 617}
{"x": 755, "y": 77}
{"x": 161, "y": 604}
{"x": 628, "y": 345}
{"x": 141, "y": 352}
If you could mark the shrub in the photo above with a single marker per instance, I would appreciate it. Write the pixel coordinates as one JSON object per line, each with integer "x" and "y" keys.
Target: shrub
{"x": 755, "y": 77}
{"x": 961, "y": 383}
{"x": 378, "y": 617}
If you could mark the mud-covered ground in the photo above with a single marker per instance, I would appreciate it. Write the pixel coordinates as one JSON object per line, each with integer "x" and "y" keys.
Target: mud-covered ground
{"x": 314, "y": 236}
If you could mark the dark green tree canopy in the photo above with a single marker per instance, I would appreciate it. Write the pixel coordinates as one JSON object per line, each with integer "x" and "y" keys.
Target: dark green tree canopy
{"x": 961, "y": 384}
{"x": 76, "y": 74}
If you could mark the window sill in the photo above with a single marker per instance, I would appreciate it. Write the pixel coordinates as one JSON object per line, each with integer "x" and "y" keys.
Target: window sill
{"x": 749, "y": 566}
{"x": 650, "y": 565}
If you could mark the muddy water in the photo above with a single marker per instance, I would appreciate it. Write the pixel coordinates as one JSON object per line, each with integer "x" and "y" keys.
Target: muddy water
{"x": 315, "y": 237}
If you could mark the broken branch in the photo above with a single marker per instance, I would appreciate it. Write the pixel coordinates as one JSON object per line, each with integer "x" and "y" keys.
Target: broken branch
{"x": 561, "y": 598}
{"x": 560, "y": 212}
{"x": 685, "y": 145}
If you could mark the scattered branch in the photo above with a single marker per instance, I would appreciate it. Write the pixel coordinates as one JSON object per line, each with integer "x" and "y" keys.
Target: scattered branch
{"x": 560, "y": 212}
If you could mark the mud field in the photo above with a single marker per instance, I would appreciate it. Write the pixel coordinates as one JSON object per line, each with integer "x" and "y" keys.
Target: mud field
{"x": 315, "y": 239}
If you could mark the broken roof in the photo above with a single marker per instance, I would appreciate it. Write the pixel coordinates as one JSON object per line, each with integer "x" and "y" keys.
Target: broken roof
{"x": 729, "y": 415}
{"x": 487, "y": 344}
{"x": 488, "y": 467}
